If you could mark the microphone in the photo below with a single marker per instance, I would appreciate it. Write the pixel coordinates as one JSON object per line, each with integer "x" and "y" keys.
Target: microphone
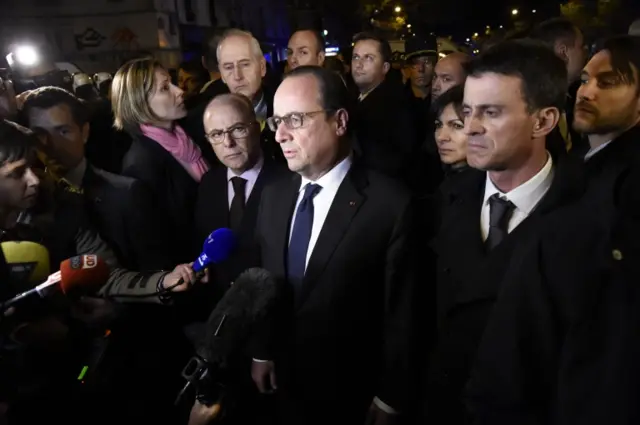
{"x": 28, "y": 263}
{"x": 248, "y": 301}
{"x": 218, "y": 246}
{"x": 83, "y": 274}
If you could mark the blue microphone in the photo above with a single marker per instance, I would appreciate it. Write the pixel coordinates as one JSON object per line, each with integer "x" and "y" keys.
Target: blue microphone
{"x": 216, "y": 248}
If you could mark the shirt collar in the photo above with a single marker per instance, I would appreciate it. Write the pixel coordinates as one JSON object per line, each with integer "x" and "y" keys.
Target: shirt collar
{"x": 593, "y": 151}
{"x": 333, "y": 179}
{"x": 261, "y": 108}
{"x": 526, "y": 196}
{"x": 76, "y": 175}
{"x": 249, "y": 175}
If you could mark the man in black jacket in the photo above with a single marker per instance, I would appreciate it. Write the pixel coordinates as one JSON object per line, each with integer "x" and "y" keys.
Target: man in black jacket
{"x": 338, "y": 238}
{"x": 119, "y": 207}
{"x": 512, "y": 101}
{"x": 562, "y": 345}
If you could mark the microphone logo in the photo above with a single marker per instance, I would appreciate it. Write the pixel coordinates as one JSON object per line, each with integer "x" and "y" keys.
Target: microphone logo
{"x": 90, "y": 261}
{"x": 83, "y": 262}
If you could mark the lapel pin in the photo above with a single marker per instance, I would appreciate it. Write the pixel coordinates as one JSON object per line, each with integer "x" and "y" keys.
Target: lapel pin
{"x": 352, "y": 203}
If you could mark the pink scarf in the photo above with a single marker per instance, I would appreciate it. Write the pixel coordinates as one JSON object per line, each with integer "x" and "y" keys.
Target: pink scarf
{"x": 178, "y": 144}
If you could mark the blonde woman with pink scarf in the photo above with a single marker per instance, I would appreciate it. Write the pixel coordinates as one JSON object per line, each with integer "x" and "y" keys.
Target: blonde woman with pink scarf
{"x": 162, "y": 155}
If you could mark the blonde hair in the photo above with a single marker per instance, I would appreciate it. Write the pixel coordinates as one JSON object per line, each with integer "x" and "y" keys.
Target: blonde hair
{"x": 130, "y": 91}
{"x": 235, "y": 32}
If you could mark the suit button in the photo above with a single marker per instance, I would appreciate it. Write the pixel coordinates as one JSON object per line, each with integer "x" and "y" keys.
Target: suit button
{"x": 617, "y": 254}
{"x": 446, "y": 270}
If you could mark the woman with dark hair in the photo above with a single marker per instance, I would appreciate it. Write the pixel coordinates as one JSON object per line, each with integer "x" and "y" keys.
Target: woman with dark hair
{"x": 450, "y": 136}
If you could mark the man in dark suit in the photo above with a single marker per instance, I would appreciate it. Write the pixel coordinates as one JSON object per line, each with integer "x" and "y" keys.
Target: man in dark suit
{"x": 243, "y": 68}
{"x": 572, "y": 357}
{"x": 384, "y": 125}
{"x": 118, "y": 206}
{"x": 512, "y": 101}
{"x": 338, "y": 237}
{"x": 229, "y": 196}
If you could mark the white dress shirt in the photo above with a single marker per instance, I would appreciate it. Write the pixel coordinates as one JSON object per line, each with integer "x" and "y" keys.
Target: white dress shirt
{"x": 330, "y": 183}
{"x": 525, "y": 197}
{"x": 251, "y": 176}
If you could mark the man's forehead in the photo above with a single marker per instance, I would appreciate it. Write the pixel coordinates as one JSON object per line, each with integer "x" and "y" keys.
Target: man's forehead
{"x": 295, "y": 93}
{"x": 61, "y": 111}
{"x": 367, "y": 46}
{"x": 235, "y": 48}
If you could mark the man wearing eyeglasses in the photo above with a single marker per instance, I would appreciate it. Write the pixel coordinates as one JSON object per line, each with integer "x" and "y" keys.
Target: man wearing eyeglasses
{"x": 337, "y": 235}
{"x": 229, "y": 196}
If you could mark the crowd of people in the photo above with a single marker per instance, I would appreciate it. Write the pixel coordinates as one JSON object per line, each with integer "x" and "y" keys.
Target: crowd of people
{"x": 453, "y": 239}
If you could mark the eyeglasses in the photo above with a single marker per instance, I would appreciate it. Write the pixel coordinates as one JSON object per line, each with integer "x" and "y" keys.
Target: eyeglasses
{"x": 293, "y": 120}
{"x": 236, "y": 132}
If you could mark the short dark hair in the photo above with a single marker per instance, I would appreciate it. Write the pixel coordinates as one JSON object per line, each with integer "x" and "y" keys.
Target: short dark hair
{"x": 210, "y": 47}
{"x": 316, "y": 35}
{"x": 625, "y": 55}
{"x": 194, "y": 66}
{"x": 48, "y": 97}
{"x": 553, "y": 30}
{"x": 16, "y": 142}
{"x": 385, "y": 48}
{"x": 333, "y": 92}
{"x": 454, "y": 97}
{"x": 543, "y": 73}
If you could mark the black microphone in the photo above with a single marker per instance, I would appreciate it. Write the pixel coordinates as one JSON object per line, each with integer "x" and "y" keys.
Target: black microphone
{"x": 248, "y": 301}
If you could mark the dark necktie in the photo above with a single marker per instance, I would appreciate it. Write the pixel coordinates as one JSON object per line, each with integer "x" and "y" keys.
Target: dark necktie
{"x": 500, "y": 211}
{"x": 237, "y": 203}
{"x": 299, "y": 243}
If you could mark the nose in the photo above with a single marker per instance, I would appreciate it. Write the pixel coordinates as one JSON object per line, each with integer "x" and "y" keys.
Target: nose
{"x": 472, "y": 125}
{"x": 228, "y": 140}
{"x": 31, "y": 178}
{"x": 237, "y": 73}
{"x": 442, "y": 135}
{"x": 177, "y": 91}
{"x": 282, "y": 133}
{"x": 587, "y": 90}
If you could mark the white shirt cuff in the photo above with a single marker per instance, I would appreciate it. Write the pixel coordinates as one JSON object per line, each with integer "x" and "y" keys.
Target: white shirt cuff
{"x": 384, "y": 406}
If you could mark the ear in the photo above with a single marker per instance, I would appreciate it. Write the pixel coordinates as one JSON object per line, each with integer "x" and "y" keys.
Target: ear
{"x": 85, "y": 132}
{"x": 546, "y": 120}
{"x": 321, "y": 56}
{"x": 562, "y": 50}
{"x": 263, "y": 67}
{"x": 204, "y": 62}
{"x": 386, "y": 67}
{"x": 342, "y": 120}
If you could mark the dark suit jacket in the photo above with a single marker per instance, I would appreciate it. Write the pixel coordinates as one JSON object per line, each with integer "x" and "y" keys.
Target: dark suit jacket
{"x": 344, "y": 338}
{"x": 469, "y": 279}
{"x": 212, "y": 212}
{"x": 564, "y": 330}
{"x": 174, "y": 192}
{"x": 122, "y": 210}
{"x": 385, "y": 130}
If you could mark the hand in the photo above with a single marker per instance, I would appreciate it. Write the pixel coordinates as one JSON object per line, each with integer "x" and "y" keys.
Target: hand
{"x": 264, "y": 376}
{"x": 201, "y": 414}
{"x": 185, "y": 273}
{"x": 94, "y": 311}
{"x": 377, "y": 416}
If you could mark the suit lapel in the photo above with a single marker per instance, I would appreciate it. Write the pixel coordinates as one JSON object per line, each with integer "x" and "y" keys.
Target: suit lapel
{"x": 220, "y": 199}
{"x": 348, "y": 200}
{"x": 278, "y": 228}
